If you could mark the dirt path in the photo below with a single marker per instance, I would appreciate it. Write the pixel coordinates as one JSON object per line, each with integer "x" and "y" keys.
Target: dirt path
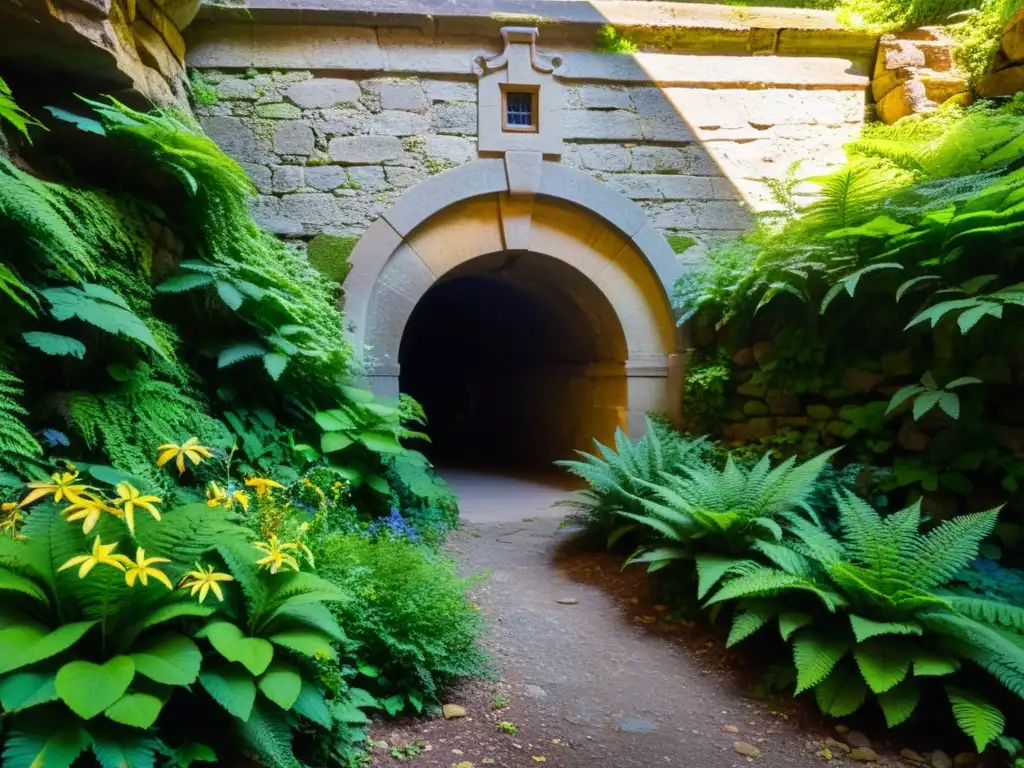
{"x": 593, "y": 674}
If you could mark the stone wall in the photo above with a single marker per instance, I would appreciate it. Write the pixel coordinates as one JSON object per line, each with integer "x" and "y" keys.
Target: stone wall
{"x": 329, "y": 154}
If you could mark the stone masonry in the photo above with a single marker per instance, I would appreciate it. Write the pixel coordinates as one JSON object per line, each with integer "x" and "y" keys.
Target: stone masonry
{"x": 329, "y": 154}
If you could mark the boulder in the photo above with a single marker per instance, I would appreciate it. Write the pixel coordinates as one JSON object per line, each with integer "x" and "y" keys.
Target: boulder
{"x": 1012, "y": 41}
{"x": 1005, "y": 82}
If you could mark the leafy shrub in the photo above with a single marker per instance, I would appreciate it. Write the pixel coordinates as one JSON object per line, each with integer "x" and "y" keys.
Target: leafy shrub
{"x": 619, "y": 478}
{"x": 411, "y": 627}
{"x": 876, "y": 618}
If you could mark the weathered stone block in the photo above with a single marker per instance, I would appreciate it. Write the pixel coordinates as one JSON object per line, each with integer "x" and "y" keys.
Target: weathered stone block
{"x": 1005, "y": 82}
{"x": 236, "y": 138}
{"x": 450, "y": 90}
{"x": 755, "y": 408}
{"x": 450, "y": 149}
{"x": 260, "y": 176}
{"x": 398, "y": 123}
{"x": 613, "y": 125}
{"x": 278, "y": 110}
{"x": 403, "y": 178}
{"x": 1012, "y": 41}
{"x": 322, "y": 92}
{"x": 454, "y": 118}
{"x": 236, "y": 88}
{"x": 365, "y": 150}
{"x": 266, "y": 211}
{"x": 859, "y": 380}
{"x": 722, "y": 214}
{"x": 604, "y": 97}
{"x": 744, "y": 357}
{"x": 287, "y": 178}
{"x": 309, "y": 208}
{"x": 294, "y": 137}
{"x": 368, "y": 177}
{"x": 605, "y": 157}
{"x": 326, "y": 177}
{"x": 784, "y": 405}
{"x": 407, "y": 96}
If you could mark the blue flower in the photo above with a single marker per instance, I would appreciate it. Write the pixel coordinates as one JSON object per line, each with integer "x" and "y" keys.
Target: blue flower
{"x": 53, "y": 438}
{"x": 393, "y": 525}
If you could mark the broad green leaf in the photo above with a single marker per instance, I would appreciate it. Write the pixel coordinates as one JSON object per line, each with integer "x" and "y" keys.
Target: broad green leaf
{"x": 864, "y": 629}
{"x": 253, "y": 653}
{"x": 27, "y": 688}
{"x": 229, "y": 294}
{"x": 236, "y": 353}
{"x": 347, "y": 712}
{"x": 334, "y": 420}
{"x": 334, "y": 441}
{"x": 83, "y": 123}
{"x": 932, "y": 665}
{"x": 67, "y": 303}
{"x": 312, "y": 706}
{"x": 377, "y": 483}
{"x": 168, "y": 658}
{"x": 880, "y": 226}
{"x": 977, "y": 716}
{"x": 914, "y": 282}
{"x": 357, "y": 395}
{"x": 902, "y": 396}
{"x": 274, "y": 363}
{"x": 22, "y": 644}
{"x": 367, "y": 670}
{"x": 963, "y": 381}
{"x": 899, "y": 703}
{"x": 791, "y": 621}
{"x": 15, "y": 582}
{"x": 54, "y": 344}
{"x": 232, "y": 687}
{"x": 379, "y": 442}
{"x": 924, "y": 403}
{"x": 883, "y": 663}
{"x": 281, "y": 683}
{"x": 139, "y": 710}
{"x": 185, "y": 282}
{"x": 815, "y": 657}
{"x": 841, "y": 693}
{"x": 971, "y": 317}
{"x": 950, "y": 403}
{"x": 304, "y": 642}
{"x": 89, "y": 688}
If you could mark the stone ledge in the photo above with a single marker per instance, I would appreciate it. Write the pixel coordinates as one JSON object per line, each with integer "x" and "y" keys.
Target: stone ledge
{"x": 686, "y": 27}
{"x": 404, "y": 51}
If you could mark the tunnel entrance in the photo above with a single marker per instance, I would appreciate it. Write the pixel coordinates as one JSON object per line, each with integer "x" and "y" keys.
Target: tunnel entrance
{"x": 517, "y": 359}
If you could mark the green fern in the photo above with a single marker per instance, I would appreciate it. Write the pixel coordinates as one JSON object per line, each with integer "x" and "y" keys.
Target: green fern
{"x": 18, "y": 448}
{"x": 976, "y": 716}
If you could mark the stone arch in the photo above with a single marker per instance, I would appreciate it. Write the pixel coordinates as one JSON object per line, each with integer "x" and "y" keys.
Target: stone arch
{"x": 611, "y": 263}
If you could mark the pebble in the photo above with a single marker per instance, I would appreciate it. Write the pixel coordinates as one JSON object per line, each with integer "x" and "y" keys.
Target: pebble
{"x": 841, "y": 729}
{"x": 534, "y": 692}
{"x": 941, "y": 760}
{"x": 453, "y": 711}
{"x": 729, "y": 729}
{"x": 857, "y": 739}
{"x": 567, "y": 601}
{"x": 965, "y": 758}
{"x": 745, "y": 749}
{"x": 911, "y": 755}
{"x": 864, "y": 755}
{"x": 634, "y": 725}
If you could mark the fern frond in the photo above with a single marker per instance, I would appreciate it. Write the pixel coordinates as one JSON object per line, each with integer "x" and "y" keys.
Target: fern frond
{"x": 977, "y": 716}
{"x": 945, "y": 551}
{"x": 988, "y": 611}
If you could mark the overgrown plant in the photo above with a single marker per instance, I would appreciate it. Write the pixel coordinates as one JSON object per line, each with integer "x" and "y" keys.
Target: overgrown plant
{"x": 866, "y": 612}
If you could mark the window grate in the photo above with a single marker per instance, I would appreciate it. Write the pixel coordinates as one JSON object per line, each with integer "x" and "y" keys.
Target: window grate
{"x": 519, "y": 110}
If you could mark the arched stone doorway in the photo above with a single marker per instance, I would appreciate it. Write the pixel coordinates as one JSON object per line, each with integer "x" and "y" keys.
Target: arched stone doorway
{"x": 566, "y": 290}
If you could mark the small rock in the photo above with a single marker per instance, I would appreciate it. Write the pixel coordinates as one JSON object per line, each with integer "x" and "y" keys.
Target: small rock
{"x": 864, "y": 755}
{"x": 911, "y": 755}
{"x": 729, "y": 729}
{"x": 857, "y": 739}
{"x": 634, "y": 725}
{"x": 534, "y": 692}
{"x": 941, "y": 760}
{"x": 567, "y": 601}
{"x": 463, "y": 764}
{"x": 745, "y": 749}
{"x": 842, "y": 729}
{"x": 965, "y": 758}
{"x": 764, "y": 352}
{"x": 453, "y": 711}
{"x": 488, "y": 761}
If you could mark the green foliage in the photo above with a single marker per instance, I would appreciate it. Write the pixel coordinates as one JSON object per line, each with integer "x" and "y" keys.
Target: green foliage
{"x": 18, "y": 448}
{"x": 610, "y": 40}
{"x": 704, "y": 392}
{"x": 393, "y": 621}
{"x": 619, "y": 478}
{"x": 204, "y": 92}
{"x": 15, "y": 115}
{"x": 876, "y": 608}
{"x": 329, "y": 255}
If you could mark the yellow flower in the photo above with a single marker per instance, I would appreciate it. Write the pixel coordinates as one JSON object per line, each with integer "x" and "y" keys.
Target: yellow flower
{"x": 62, "y": 487}
{"x": 262, "y": 485}
{"x": 130, "y": 499}
{"x": 143, "y": 568}
{"x": 276, "y": 554}
{"x": 216, "y": 496}
{"x": 89, "y": 508}
{"x": 101, "y": 554}
{"x": 190, "y": 449}
{"x": 219, "y": 497}
{"x": 202, "y": 580}
{"x": 10, "y": 518}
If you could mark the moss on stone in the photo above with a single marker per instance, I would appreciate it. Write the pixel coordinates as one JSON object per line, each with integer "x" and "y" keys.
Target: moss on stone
{"x": 610, "y": 40}
{"x": 203, "y": 92}
{"x": 680, "y": 243}
{"x": 329, "y": 255}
